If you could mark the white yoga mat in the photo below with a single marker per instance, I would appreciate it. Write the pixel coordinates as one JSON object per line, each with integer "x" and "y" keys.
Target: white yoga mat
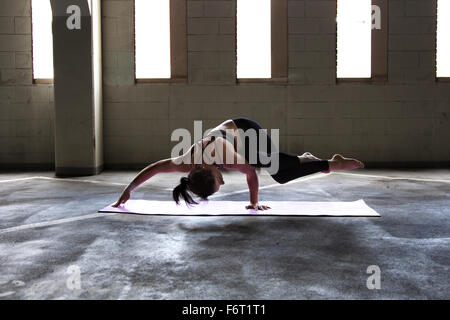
{"x": 237, "y": 208}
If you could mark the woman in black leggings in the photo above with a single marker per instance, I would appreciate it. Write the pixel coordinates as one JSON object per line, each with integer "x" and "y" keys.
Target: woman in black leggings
{"x": 231, "y": 145}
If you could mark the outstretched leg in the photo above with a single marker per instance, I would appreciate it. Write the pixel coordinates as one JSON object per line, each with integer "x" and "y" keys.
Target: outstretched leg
{"x": 292, "y": 167}
{"x": 337, "y": 162}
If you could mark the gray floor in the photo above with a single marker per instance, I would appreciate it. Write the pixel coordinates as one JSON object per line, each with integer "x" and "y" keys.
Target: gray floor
{"x": 157, "y": 257}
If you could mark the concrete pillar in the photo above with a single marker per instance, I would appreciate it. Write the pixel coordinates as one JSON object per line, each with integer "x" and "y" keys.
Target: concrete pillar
{"x": 78, "y": 87}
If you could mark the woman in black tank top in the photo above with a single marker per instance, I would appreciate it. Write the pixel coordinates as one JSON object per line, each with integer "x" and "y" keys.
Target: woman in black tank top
{"x": 204, "y": 178}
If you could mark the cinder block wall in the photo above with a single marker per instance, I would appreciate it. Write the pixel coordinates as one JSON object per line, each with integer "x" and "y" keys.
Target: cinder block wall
{"x": 26, "y": 110}
{"x": 403, "y": 121}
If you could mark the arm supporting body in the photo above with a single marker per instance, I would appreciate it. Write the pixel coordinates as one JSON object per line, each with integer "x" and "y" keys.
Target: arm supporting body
{"x": 253, "y": 186}
{"x": 166, "y": 165}
{"x": 240, "y": 164}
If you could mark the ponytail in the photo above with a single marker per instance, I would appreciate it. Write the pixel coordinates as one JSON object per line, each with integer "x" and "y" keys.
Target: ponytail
{"x": 182, "y": 191}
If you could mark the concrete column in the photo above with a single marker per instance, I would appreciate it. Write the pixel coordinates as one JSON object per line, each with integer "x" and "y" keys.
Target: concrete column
{"x": 78, "y": 87}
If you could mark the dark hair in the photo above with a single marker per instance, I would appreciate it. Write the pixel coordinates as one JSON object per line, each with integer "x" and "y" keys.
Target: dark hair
{"x": 199, "y": 181}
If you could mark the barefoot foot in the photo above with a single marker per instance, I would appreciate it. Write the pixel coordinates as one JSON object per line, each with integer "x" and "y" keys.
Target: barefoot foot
{"x": 306, "y": 157}
{"x": 338, "y": 162}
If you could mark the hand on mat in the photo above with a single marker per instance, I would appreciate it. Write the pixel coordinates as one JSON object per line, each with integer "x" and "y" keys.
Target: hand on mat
{"x": 257, "y": 207}
{"x": 123, "y": 198}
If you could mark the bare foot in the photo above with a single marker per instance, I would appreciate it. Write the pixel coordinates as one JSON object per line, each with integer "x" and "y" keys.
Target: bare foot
{"x": 306, "y": 157}
{"x": 338, "y": 162}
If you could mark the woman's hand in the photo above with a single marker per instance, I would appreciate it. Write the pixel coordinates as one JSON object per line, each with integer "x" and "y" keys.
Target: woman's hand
{"x": 123, "y": 198}
{"x": 257, "y": 207}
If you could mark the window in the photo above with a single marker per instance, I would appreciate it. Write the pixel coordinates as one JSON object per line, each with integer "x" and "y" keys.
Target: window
{"x": 253, "y": 39}
{"x": 160, "y": 40}
{"x": 443, "y": 34}
{"x": 42, "y": 40}
{"x": 261, "y": 40}
{"x": 362, "y": 39}
{"x": 354, "y": 39}
{"x": 152, "y": 38}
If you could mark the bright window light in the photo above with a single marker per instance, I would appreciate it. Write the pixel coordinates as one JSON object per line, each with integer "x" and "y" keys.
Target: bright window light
{"x": 354, "y": 24}
{"x": 152, "y": 30}
{"x": 253, "y": 39}
{"x": 443, "y": 36}
{"x": 42, "y": 39}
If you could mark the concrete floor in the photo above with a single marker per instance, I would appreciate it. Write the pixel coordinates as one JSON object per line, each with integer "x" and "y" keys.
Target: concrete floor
{"x": 160, "y": 257}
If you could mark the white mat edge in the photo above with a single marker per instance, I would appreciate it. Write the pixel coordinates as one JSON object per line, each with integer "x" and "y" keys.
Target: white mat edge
{"x": 250, "y": 213}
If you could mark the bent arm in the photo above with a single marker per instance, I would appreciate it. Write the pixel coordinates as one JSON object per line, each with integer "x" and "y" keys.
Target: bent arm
{"x": 239, "y": 163}
{"x": 253, "y": 186}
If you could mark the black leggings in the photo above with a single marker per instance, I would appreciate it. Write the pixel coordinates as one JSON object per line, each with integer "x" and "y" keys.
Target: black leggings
{"x": 290, "y": 167}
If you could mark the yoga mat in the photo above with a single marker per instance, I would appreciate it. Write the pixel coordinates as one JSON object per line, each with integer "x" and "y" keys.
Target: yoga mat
{"x": 237, "y": 208}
